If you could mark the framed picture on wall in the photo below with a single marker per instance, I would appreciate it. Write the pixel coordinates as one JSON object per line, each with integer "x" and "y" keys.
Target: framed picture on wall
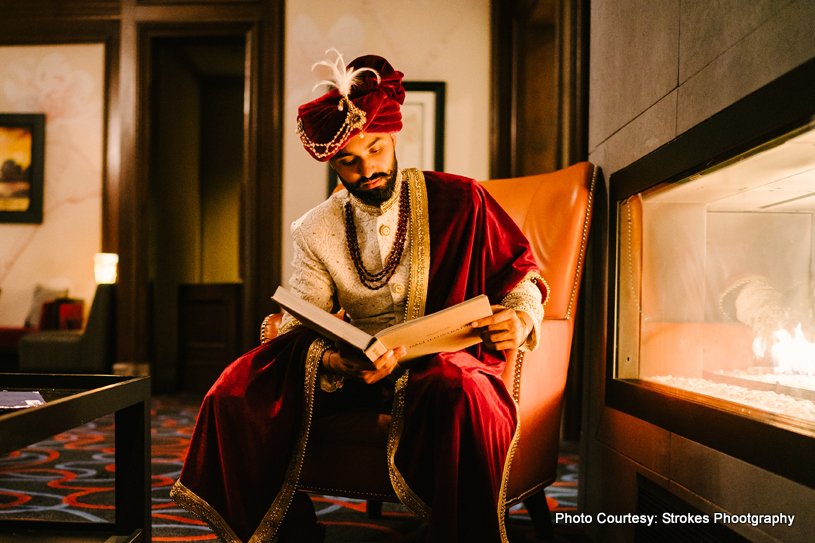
{"x": 22, "y": 154}
{"x": 420, "y": 143}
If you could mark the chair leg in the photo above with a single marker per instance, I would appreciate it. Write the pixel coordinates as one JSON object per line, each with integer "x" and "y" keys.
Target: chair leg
{"x": 541, "y": 517}
{"x": 373, "y": 508}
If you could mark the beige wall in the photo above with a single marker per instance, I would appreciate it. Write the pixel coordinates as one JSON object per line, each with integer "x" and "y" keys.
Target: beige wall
{"x": 66, "y": 83}
{"x": 428, "y": 40}
{"x": 657, "y": 69}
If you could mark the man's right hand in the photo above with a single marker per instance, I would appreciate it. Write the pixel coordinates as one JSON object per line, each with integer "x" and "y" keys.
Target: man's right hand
{"x": 355, "y": 367}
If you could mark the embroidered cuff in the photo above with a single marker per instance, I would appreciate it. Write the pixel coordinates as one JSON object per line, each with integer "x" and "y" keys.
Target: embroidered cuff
{"x": 526, "y": 296}
{"x": 329, "y": 382}
{"x": 287, "y": 324}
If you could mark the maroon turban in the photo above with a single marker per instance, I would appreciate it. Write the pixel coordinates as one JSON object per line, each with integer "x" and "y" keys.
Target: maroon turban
{"x": 371, "y": 104}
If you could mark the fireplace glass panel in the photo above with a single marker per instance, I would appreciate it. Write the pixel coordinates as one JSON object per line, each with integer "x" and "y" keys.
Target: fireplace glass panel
{"x": 715, "y": 284}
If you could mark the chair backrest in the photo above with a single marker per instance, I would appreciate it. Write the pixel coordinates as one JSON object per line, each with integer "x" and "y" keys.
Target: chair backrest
{"x": 98, "y": 349}
{"x": 553, "y": 210}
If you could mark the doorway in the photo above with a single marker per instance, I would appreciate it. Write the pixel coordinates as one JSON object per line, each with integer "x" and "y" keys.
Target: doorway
{"x": 196, "y": 175}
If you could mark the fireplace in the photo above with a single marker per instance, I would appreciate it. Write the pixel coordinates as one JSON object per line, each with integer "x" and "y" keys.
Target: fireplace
{"x": 712, "y": 287}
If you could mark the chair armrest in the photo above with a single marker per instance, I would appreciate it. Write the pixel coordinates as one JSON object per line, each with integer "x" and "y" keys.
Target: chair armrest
{"x": 543, "y": 380}
{"x": 550, "y": 361}
{"x": 270, "y": 327}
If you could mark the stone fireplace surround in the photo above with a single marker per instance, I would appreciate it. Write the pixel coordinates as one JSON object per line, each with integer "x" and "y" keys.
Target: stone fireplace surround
{"x": 649, "y": 124}
{"x": 771, "y": 451}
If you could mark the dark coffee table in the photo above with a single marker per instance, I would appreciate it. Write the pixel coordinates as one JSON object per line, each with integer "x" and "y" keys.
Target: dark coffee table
{"x": 71, "y": 401}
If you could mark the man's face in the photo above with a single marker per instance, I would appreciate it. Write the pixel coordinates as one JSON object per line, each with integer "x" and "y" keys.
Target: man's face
{"x": 367, "y": 166}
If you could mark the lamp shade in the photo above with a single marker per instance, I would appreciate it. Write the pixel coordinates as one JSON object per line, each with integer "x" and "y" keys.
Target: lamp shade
{"x": 104, "y": 267}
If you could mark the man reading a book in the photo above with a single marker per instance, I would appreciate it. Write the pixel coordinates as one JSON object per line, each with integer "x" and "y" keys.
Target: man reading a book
{"x": 394, "y": 246}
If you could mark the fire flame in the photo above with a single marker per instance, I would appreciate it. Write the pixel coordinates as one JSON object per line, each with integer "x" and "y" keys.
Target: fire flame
{"x": 793, "y": 355}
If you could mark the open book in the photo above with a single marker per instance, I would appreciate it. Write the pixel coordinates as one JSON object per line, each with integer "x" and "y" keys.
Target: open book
{"x": 445, "y": 330}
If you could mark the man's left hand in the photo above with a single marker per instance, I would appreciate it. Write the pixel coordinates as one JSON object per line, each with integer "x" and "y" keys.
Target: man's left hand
{"x": 505, "y": 329}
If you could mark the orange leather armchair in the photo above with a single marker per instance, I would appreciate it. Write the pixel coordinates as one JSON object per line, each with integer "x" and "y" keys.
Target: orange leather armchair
{"x": 346, "y": 452}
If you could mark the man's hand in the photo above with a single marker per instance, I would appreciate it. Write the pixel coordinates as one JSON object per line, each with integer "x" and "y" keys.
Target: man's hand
{"x": 505, "y": 329}
{"x": 354, "y": 367}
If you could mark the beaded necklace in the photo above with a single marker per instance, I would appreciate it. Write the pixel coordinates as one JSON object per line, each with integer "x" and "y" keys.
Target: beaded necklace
{"x": 375, "y": 281}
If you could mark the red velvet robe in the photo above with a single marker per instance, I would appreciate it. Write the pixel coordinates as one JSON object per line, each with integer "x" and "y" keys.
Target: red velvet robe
{"x": 245, "y": 440}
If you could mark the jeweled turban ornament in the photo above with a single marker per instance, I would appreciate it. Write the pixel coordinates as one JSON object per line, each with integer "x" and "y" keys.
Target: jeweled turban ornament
{"x": 365, "y": 96}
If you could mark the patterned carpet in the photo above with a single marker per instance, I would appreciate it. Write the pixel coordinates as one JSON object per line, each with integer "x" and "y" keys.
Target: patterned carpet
{"x": 70, "y": 477}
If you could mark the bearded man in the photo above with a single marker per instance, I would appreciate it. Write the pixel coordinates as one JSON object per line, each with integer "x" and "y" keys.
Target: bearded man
{"x": 395, "y": 245}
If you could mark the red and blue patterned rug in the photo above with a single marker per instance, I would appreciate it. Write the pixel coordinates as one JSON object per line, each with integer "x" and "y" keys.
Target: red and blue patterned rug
{"x": 70, "y": 477}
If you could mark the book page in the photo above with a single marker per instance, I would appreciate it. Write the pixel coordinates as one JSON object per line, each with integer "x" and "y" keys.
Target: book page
{"x": 445, "y": 330}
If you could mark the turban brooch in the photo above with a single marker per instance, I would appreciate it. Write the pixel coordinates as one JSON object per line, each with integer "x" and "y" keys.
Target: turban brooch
{"x": 366, "y": 96}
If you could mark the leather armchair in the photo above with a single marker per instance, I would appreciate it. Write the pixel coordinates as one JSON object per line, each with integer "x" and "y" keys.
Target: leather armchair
{"x": 346, "y": 453}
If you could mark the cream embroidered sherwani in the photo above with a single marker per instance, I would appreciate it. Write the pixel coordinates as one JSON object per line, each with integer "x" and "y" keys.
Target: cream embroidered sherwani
{"x": 322, "y": 266}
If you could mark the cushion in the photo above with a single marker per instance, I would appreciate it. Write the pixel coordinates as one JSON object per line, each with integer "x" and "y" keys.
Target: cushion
{"x": 41, "y": 295}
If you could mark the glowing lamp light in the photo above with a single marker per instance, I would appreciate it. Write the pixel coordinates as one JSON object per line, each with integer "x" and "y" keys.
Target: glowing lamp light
{"x": 104, "y": 268}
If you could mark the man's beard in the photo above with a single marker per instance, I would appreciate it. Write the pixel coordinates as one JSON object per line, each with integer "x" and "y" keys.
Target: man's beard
{"x": 377, "y": 195}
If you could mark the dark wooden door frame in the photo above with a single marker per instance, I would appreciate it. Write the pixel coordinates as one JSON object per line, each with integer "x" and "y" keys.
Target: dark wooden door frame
{"x": 509, "y": 19}
{"x": 261, "y": 187}
{"x": 146, "y": 33}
